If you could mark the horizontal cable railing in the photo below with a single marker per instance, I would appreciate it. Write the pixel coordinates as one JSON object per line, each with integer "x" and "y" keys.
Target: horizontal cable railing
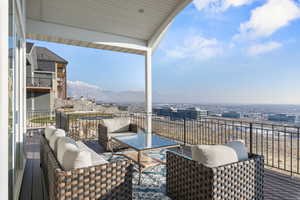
{"x": 38, "y": 81}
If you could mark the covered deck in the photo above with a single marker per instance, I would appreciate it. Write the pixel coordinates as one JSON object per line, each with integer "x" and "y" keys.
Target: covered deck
{"x": 277, "y": 185}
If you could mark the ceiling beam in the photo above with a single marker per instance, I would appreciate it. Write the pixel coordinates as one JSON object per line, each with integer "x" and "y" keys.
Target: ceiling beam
{"x": 40, "y": 30}
{"x": 161, "y": 30}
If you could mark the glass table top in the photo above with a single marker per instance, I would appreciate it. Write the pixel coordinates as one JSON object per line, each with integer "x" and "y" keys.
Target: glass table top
{"x": 142, "y": 141}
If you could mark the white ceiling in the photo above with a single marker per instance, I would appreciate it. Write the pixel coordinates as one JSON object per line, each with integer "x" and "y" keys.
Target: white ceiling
{"x": 134, "y": 22}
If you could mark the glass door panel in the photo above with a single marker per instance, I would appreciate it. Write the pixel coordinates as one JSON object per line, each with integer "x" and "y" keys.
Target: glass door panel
{"x": 16, "y": 98}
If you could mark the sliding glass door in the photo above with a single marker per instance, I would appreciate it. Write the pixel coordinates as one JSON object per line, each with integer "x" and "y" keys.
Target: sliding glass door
{"x": 16, "y": 97}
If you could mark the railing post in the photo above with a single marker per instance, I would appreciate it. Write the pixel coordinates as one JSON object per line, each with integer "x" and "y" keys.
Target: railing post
{"x": 184, "y": 130}
{"x": 67, "y": 123}
{"x": 60, "y": 119}
{"x": 291, "y": 153}
{"x": 251, "y": 138}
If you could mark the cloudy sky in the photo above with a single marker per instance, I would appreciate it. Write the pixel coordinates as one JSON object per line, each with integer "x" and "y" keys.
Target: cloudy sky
{"x": 216, "y": 51}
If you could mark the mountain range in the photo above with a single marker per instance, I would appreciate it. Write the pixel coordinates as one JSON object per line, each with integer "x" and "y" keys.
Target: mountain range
{"x": 78, "y": 88}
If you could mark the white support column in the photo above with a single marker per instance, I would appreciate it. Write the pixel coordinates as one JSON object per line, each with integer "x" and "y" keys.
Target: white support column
{"x": 4, "y": 98}
{"x": 148, "y": 93}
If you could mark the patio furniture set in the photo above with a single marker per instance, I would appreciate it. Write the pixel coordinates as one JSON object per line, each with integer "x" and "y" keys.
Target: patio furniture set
{"x": 74, "y": 171}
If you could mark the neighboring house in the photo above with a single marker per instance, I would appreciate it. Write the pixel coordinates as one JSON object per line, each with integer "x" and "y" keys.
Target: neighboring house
{"x": 46, "y": 78}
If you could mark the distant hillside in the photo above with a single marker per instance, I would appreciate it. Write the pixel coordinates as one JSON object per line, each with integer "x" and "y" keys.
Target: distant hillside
{"x": 79, "y": 88}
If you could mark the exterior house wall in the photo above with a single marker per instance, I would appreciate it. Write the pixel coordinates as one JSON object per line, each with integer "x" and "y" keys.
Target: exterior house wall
{"x": 41, "y": 100}
{"x": 42, "y": 71}
{"x": 33, "y": 60}
{"x": 28, "y": 70}
{"x": 44, "y": 65}
{"x": 29, "y": 101}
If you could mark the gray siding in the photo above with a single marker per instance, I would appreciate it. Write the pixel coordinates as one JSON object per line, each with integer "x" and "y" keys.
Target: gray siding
{"x": 41, "y": 101}
{"x": 28, "y": 71}
{"x": 43, "y": 75}
{"x": 28, "y": 101}
{"x": 44, "y": 65}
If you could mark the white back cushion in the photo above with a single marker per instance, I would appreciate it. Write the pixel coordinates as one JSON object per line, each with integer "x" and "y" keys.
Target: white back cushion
{"x": 96, "y": 158}
{"x": 54, "y": 139}
{"x": 63, "y": 144}
{"x": 75, "y": 158}
{"x": 49, "y": 132}
{"x": 240, "y": 149}
{"x": 118, "y": 124}
{"x": 214, "y": 155}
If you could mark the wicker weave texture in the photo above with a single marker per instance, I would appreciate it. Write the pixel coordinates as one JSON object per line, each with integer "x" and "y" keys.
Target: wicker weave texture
{"x": 187, "y": 179}
{"x": 44, "y": 151}
{"x": 109, "y": 144}
{"x": 108, "y": 181}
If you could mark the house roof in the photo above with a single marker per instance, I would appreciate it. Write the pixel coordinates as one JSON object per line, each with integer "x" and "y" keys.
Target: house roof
{"x": 133, "y": 26}
{"x": 46, "y": 54}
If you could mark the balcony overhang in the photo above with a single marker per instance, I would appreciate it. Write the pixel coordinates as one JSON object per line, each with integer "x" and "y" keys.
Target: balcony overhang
{"x": 38, "y": 89}
{"x": 50, "y": 32}
{"x": 131, "y": 26}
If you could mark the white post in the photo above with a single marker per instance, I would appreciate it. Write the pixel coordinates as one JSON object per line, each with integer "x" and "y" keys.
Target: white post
{"x": 4, "y": 98}
{"x": 148, "y": 93}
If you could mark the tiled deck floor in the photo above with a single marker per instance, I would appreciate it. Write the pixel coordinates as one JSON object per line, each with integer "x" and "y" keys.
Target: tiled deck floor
{"x": 277, "y": 186}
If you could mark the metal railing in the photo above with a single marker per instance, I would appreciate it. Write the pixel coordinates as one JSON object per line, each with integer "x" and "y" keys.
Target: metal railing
{"x": 278, "y": 143}
{"x": 40, "y": 118}
{"x": 82, "y": 125}
{"x": 38, "y": 82}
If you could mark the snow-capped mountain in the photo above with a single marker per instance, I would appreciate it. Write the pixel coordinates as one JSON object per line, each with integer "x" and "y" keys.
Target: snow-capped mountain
{"x": 78, "y": 88}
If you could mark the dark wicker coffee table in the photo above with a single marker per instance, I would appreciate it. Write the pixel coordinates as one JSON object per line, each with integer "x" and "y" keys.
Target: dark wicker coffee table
{"x": 140, "y": 144}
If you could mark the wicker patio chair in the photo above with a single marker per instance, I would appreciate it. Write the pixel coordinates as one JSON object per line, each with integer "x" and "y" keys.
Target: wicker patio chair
{"x": 106, "y": 131}
{"x": 107, "y": 181}
{"x": 187, "y": 179}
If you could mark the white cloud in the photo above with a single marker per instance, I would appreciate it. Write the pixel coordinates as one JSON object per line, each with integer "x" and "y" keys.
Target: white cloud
{"x": 219, "y": 5}
{"x": 263, "y": 48}
{"x": 195, "y": 47}
{"x": 268, "y": 18}
{"x": 82, "y": 84}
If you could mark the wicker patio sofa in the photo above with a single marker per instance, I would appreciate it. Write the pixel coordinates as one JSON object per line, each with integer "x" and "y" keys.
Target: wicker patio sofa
{"x": 188, "y": 179}
{"x": 119, "y": 126}
{"x": 112, "y": 180}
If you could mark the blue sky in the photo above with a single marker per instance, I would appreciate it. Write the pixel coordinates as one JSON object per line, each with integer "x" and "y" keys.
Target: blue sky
{"x": 216, "y": 51}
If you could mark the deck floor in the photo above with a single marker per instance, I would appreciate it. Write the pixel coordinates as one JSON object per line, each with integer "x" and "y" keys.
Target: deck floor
{"x": 277, "y": 186}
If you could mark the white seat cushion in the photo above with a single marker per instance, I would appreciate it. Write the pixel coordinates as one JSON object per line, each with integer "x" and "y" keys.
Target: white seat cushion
{"x": 240, "y": 148}
{"x": 54, "y": 139}
{"x": 49, "y": 131}
{"x": 214, "y": 155}
{"x": 63, "y": 144}
{"x": 96, "y": 158}
{"x": 119, "y": 124}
